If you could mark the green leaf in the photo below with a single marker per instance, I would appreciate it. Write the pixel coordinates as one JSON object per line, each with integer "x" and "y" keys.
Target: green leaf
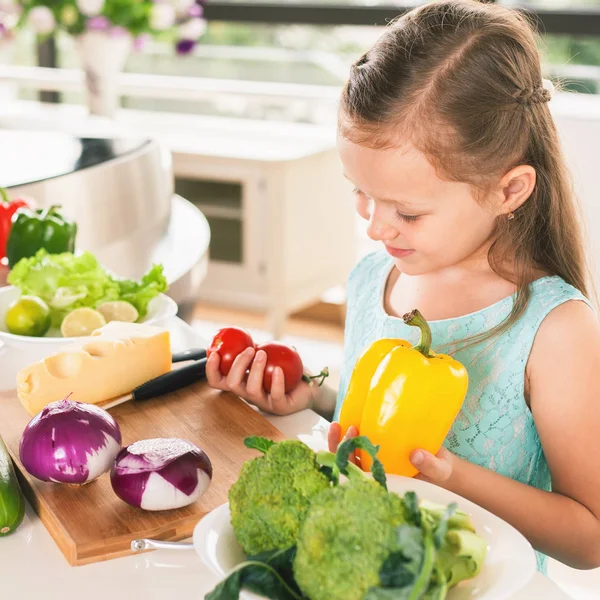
{"x": 331, "y": 474}
{"x": 406, "y": 574}
{"x": 64, "y": 281}
{"x": 401, "y": 567}
{"x": 256, "y": 577}
{"x": 442, "y": 527}
{"x": 396, "y": 571}
{"x": 269, "y": 574}
{"x": 140, "y": 294}
{"x": 427, "y": 565}
{"x": 68, "y": 281}
{"x": 256, "y": 442}
{"x": 345, "y": 450}
{"x": 283, "y": 562}
{"x": 413, "y": 513}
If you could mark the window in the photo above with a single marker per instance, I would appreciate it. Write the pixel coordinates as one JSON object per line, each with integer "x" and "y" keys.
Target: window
{"x": 305, "y": 48}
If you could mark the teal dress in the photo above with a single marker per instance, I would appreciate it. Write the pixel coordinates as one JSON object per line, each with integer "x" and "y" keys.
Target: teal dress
{"x": 495, "y": 428}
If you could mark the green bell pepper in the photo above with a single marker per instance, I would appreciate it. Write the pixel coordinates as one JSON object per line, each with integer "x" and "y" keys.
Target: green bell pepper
{"x": 34, "y": 229}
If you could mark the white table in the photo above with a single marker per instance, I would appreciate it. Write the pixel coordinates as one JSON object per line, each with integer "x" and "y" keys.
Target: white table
{"x": 31, "y": 565}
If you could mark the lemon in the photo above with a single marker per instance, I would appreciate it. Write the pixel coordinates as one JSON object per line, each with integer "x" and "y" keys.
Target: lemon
{"x": 29, "y": 315}
{"x": 81, "y": 322}
{"x": 118, "y": 311}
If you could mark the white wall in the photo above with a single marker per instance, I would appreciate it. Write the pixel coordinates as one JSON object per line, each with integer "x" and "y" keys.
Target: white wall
{"x": 578, "y": 120}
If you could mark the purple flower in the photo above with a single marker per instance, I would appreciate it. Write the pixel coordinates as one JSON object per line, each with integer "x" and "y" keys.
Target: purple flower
{"x": 196, "y": 11}
{"x": 118, "y": 31}
{"x": 140, "y": 41}
{"x": 185, "y": 46}
{"x": 99, "y": 23}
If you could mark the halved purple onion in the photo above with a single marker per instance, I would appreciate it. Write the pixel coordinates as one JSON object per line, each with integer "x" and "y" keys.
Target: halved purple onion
{"x": 161, "y": 473}
{"x": 70, "y": 442}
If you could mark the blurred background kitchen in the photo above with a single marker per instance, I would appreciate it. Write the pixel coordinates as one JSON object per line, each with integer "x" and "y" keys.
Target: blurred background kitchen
{"x": 202, "y": 135}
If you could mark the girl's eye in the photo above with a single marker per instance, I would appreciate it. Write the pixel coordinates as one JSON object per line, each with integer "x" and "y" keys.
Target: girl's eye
{"x": 406, "y": 218}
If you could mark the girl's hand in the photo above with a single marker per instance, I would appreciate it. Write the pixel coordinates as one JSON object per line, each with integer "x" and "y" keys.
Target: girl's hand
{"x": 246, "y": 380}
{"x": 334, "y": 439}
{"x": 434, "y": 469}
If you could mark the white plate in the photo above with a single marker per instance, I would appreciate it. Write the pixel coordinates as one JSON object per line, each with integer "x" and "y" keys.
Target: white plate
{"x": 18, "y": 351}
{"x": 509, "y": 566}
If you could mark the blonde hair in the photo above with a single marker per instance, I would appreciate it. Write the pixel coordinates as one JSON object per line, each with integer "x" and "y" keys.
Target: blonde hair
{"x": 462, "y": 81}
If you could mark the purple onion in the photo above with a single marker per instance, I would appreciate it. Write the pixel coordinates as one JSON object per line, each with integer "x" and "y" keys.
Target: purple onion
{"x": 161, "y": 474}
{"x": 70, "y": 442}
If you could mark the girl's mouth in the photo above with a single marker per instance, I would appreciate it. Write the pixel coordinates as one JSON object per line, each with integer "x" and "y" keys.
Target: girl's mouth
{"x": 398, "y": 252}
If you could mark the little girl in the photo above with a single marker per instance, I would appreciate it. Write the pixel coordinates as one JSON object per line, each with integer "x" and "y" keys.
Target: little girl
{"x": 445, "y": 132}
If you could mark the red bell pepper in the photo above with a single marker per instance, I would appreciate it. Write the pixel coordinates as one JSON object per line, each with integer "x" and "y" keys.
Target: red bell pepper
{"x": 7, "y": 209}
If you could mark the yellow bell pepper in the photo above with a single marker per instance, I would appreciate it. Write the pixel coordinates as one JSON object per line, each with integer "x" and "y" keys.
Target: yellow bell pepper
{"x": 403, "y": 398}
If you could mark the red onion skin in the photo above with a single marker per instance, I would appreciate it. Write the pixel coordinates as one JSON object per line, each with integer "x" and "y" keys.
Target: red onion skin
{"x": 57, "y": 442}
{"x": 129, "y": 482}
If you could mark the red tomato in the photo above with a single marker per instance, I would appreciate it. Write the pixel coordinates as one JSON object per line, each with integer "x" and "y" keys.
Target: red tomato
{"x": 228, "y": 343}
{"x": 286, "y": 357}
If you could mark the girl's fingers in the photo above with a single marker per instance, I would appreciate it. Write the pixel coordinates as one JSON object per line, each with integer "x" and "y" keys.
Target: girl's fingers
{"x": 352, "y": 432}
{"x": 254, "y": 382}
{"x": 431, "y": 467}
{"x": 278, "y": 399}
{"x": 213, "y": 373}
{"x": 237, "y": 375}
{"x": 333, "y": 436}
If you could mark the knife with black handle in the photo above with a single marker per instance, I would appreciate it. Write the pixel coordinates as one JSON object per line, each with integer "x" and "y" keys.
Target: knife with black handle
{"x": 172, "y": 381}
{"x": 166, "y": 383}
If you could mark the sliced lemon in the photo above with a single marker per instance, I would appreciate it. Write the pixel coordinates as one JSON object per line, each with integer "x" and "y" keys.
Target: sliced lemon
{"x": 118, "y": 310}
{"x": 82, "y": 321}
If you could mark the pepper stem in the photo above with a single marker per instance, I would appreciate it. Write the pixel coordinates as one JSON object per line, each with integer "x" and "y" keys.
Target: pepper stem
{"x": 51, "y": 210}
{"x": 4, "y": 196}
{"x": 416, "y": 319}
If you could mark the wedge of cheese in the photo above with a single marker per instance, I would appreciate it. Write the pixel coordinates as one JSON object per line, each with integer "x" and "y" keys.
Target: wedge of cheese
{"x": 121, "y": 357}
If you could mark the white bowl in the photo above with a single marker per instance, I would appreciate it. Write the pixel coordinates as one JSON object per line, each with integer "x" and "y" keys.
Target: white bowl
{"x": 509, "y": 565}
{"x": 18, "y": 351}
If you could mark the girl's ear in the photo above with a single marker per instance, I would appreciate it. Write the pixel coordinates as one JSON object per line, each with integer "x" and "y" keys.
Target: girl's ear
{"x": 515, "y": 187}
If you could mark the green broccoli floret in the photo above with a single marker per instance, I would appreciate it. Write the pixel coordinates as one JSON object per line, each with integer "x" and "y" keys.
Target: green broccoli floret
{"x": 348, "y": 533}
{"x": 271, "y": 497}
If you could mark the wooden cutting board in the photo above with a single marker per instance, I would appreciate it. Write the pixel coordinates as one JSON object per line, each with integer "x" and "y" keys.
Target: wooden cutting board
{"x": 90, "y": 523}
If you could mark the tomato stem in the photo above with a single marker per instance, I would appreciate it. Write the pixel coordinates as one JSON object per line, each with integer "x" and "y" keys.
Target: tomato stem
{"x": 320, "y": 376}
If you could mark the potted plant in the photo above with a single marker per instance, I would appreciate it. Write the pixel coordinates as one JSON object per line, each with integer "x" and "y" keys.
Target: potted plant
{"x": 106, "y": 31}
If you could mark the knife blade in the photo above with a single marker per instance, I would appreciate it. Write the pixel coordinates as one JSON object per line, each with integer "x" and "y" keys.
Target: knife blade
{"x": 163, "y": 384}
{"x": 191, "y": 354}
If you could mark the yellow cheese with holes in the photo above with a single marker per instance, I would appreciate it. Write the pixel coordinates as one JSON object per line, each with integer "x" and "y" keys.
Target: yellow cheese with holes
{"x": 119, "y": 358}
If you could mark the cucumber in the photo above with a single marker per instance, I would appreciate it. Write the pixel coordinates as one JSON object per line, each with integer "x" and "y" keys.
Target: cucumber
{"x": 12, "y": 502}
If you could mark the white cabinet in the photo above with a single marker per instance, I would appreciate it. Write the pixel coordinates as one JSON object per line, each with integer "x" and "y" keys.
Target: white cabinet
{"x": 281, "y": 214}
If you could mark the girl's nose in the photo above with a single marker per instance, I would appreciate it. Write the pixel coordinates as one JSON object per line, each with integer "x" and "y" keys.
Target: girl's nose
{"x": 379, "y": 231}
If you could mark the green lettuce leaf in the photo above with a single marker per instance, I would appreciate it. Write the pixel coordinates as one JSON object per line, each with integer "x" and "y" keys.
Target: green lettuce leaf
{"x": 67, "y": 281}
{"x": 140, "y": 294}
